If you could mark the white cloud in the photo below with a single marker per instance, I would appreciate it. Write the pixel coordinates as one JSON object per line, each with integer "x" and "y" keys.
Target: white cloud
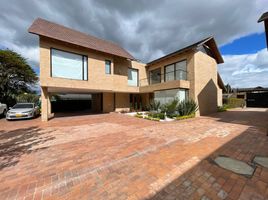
{"x": 248, "y": 70}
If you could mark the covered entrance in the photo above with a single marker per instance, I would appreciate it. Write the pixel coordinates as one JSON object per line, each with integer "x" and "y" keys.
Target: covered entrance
{"x": 62, "y": 102}
{"x": 75, "y": 104}
{"x": 135, "y": 102}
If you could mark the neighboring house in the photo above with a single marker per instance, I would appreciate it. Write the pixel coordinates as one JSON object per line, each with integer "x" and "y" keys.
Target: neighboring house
{"x": 74, "y": 62}
{"x": 264, "y": 18}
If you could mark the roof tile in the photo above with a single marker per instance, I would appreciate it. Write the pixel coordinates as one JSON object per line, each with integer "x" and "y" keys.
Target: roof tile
{"x": 52, "y": 30}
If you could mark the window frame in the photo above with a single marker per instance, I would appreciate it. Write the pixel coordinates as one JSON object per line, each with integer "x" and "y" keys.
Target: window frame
{"x": 137, "y": 76}
{"x": 174, "y": 71}
{"x": 150, "y": 82}
{"x": 110, "y": 69}
{"x": 71, "y": 52}
{"x": 179, "y": 89}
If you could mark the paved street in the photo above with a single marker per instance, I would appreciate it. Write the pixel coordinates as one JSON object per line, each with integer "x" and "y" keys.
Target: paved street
{"x": 114, "y": 156}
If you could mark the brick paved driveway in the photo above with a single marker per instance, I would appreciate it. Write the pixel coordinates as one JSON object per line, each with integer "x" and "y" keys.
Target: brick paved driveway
{"x": 113, "y": 156}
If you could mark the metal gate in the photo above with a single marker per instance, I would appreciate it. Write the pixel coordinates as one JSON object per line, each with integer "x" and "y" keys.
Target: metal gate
{"x": 259, "y": 99}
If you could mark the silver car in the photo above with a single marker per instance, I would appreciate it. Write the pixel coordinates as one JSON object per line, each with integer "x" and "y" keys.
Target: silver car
{"x": 22, "y": 111}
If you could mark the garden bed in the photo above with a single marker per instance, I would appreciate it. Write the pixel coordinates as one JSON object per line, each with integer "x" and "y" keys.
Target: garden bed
{"x": 158, "y": 116}
{"x": 173, "y": 110}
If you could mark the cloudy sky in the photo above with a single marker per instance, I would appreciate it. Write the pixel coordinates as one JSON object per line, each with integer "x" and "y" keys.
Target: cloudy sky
{"x": 151, "y": 28}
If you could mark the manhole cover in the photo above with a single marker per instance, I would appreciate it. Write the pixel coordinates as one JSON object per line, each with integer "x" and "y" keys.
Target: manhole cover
{"x": 234, "y": 165}
{"x": 261, "y": 160}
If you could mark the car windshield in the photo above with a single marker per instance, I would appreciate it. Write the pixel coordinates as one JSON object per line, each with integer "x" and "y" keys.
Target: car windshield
{"x": 23, "y": 105}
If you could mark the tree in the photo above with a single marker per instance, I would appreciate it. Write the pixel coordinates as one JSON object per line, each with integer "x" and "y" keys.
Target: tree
{"x": 16, "y": 76}
{"x": 228, "y": 89}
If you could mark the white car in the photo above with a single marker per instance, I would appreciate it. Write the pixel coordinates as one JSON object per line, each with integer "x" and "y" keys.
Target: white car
{"x": 23, "y": 111}
{"x": 3, "y": 109}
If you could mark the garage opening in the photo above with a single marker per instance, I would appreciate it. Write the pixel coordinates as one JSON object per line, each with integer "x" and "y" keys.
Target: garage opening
{"x": 76, "y": 104}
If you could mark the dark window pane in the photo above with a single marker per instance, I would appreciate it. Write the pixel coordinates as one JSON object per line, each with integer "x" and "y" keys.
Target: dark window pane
{"x": 155, "y": 76}
{"x": 108, "y": 67}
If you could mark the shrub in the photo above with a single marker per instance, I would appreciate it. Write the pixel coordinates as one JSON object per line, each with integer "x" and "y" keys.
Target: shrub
{"x": 170, "y": 107}
{"x": 154, "y": 105}
{"x": 235, "y": 102}
{"x": 157, "y": 115}
{"x": 187, "y": 107}
{"x": 152, "y": 118}
{"x": 138, "y": 116}
{"x": 173, "y": 115}
{"x": 223, "y": 108}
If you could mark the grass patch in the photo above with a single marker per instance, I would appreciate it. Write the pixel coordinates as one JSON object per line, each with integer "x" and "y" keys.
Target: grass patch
{"x": 157, "y": 115}
{"x": 223, "y": 108}
{"x": 138, "y": 116}
{"x": 152, "y": 118}
{"x": 185, "y": 117}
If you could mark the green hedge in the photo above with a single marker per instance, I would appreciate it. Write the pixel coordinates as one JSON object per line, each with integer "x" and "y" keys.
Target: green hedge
{"x": 235, "y": 102}
{"x": 185, "y": 117}
{"x": 152, "y": 118}
{"x": 157, "y": 115}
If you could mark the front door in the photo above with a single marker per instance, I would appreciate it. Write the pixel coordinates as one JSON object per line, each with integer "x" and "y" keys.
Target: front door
{"x": 135, "y": 102}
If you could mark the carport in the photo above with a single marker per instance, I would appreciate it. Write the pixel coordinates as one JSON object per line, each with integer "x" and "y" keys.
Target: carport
{"x": 75, "y": 104}
{"x": 69, "y": 102}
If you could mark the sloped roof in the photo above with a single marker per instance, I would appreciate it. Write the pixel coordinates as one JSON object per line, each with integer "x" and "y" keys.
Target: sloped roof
{"x": 220, "y": 82}
{"x": 210, "y": 42}
{"x": 263, "y": 17}
{"x": 49, "y": 29}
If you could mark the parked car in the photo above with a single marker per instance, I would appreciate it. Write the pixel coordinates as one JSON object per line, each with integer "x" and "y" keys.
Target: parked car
{"x": 23, "y": 111}
{"x": 3, "y": 109}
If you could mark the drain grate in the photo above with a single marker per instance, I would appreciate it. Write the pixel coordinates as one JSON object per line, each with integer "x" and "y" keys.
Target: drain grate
{"x": 234, "y": 165}
{"x": 261, "y": 160}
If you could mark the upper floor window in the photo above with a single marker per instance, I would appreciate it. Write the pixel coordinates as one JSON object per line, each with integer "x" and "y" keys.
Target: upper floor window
{"x": 133, "y": 77}
{"x": 176, "y": 71}
{"x": 68, "y": 65}
{"x": 155, "y": 76}
{"x": 107, "y": 67}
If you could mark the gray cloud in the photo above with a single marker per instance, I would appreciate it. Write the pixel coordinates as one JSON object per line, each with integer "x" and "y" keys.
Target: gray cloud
{"x": 147, "y": 28}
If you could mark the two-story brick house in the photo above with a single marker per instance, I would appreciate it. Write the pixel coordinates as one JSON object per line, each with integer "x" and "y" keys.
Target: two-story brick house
{"x": 74, "y": 62}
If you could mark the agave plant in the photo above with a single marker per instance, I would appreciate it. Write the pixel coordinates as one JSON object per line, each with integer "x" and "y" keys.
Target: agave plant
{"x": 187, "y": 107}
{"x": 170, "y": 108}
{"x": 154, "y": 105}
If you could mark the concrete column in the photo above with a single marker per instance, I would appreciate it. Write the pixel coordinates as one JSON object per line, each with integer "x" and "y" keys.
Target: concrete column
{"x": 49, "y": 106}
{"x": 44, "y": 104}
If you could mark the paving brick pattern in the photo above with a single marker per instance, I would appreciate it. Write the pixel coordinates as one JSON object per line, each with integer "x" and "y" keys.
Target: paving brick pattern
{"x": 114, "y": 156}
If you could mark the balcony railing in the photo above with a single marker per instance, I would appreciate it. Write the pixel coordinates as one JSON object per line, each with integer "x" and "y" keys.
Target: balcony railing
{"x": 160, "y": 78}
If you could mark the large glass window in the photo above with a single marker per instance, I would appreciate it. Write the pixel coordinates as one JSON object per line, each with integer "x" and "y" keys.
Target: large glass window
{"x": 107, "y": 67}
{"x": 68, "y": 65}
{"x": 176, "y": 71}
{"x": 169, "y": 73}
{"x": 132, "y": 77}
{"x": 165, "y": 96}
{"x": 181, "y": 70}
{"x": 155, "y": 76}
